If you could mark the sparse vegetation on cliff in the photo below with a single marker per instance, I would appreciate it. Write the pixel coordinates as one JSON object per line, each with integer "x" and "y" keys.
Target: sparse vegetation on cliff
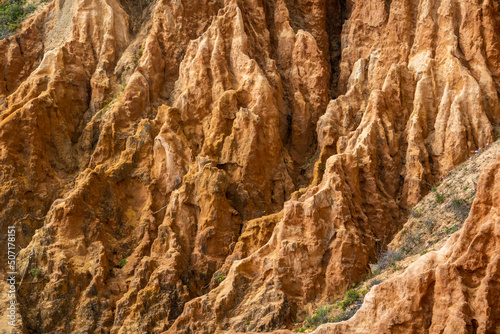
{"x": 12, "y": 13}
{"x": 430, "y": 223}
{"x": 342, "y": 310}
{"x": 444, "y": 210}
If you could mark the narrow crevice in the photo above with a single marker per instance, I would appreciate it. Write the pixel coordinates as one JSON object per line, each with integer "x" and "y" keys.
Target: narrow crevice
{"x": 336, "y": 15}
{"x": 139, "y": 12}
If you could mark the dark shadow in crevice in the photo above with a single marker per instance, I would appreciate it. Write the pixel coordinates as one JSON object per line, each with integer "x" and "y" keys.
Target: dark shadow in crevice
{"x": 336, "y": 15}
{"x": 139, "y": 12}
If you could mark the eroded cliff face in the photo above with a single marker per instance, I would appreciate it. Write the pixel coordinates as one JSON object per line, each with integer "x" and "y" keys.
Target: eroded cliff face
{"x": 453, "y": 290}
{"x": 208, "y": 166}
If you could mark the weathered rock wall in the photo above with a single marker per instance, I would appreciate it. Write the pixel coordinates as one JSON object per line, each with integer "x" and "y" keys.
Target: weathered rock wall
{"x": 453, "y": 290}
{"x": 205, "y": 166}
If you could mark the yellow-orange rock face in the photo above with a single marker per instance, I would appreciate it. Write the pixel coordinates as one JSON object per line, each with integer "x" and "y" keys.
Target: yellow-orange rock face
{"x": 213, "y": 166}
{"x": 453, "y": 290}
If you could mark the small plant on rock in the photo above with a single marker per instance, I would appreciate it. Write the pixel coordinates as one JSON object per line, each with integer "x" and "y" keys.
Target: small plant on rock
{"x": 320, "y": 316}
{"x": 429, "y": 223}
{"x": 345, "y": 315}
{"x": 460, "y": 208}
{"x": 452, "y": 229}
{"x": 439, "y": 198}
{"x": 220, "y": 277}
{"x": 374, "y": 282}
{"x": 350, "y": 297}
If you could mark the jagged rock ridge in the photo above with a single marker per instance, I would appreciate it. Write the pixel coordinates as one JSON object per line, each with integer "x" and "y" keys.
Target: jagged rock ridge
{"x": 206, "y": 166}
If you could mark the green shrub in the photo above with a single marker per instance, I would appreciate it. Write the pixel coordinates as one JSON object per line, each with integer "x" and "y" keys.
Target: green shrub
{"x": 374, "y": 282}
{"x": 12, "y": 13}
{"x": 319, "y": 317}
{"x": 439, "y": 198}
{"x": 35, "y": 272}
{"x": 417, "y": 213}
{"x": 30, "y": 8}
{"x": 411, "y": 241}
{"x": 123, "y": 262}
{"x": 345, "y": 315}
{"x": 457, "y": 202}
{"x": 350, "y": 297}
{"x": 452, "y": 229}
{"x": 429, "y": 223}
{"x": 396, "y": 267}
{"x": 460, "y": 208}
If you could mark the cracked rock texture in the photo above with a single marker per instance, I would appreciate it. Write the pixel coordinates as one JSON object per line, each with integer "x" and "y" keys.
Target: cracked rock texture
{"x": 217, "y": 166}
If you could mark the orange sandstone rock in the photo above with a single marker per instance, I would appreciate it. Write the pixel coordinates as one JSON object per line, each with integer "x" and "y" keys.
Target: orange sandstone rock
{"x": 213, "y": 166}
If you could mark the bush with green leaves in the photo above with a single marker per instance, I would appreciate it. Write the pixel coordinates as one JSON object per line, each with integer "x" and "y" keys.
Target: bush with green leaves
{"x": 416, "y": 213}
{"x": 439, "y": 198}
{"x": 374, "y": 282}
{"x": 346, "y": 314}
{"x": 319, "y": 317}
{"x": 451, "y": 230}
{"x": 350, "y": 297}
{"x": 12, "y": 13}
{"x": 429, "y": 223}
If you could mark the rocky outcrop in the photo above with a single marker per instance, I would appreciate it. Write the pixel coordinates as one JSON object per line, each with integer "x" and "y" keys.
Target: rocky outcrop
{"x": 207, "y": 166}
{"x": 454, "y": 289}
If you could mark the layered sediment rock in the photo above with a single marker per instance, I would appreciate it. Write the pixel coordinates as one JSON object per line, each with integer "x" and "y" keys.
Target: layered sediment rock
{"x": 206, "y": 166}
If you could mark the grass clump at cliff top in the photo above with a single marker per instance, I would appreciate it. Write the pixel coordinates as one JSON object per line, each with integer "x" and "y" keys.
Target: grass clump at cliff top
{"x": 12, "y": 13}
